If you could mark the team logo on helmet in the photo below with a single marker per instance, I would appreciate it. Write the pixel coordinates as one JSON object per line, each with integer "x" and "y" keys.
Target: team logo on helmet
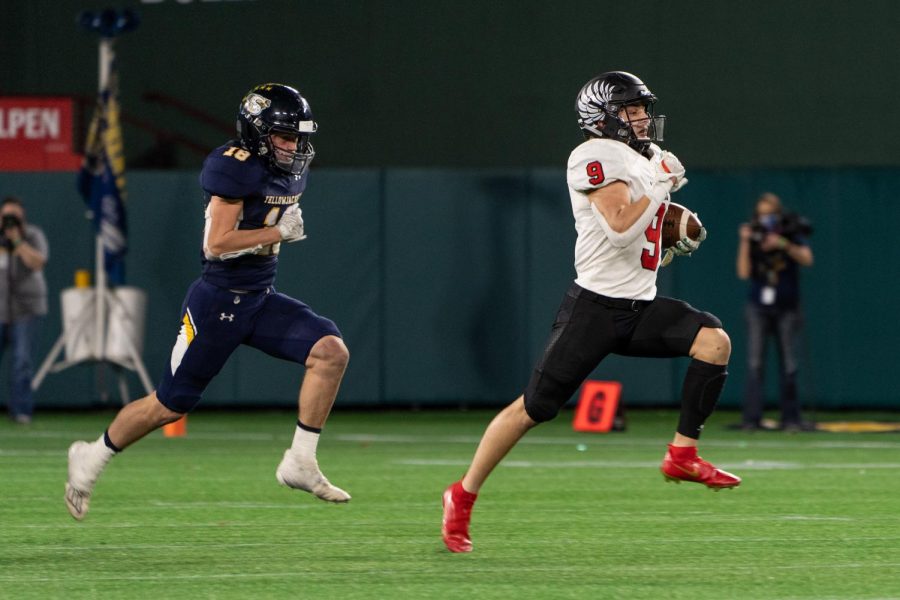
{"x": 255, "y": 104}
{"x": 604, "y": 92}
{"x": 594, "y": 99}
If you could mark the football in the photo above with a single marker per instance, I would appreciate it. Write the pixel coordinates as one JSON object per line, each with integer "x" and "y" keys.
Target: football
{"x": 679, "y": 222}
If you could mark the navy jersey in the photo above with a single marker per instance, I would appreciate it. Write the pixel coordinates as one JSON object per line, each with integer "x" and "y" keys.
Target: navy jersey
{"x": 233, "y": 173}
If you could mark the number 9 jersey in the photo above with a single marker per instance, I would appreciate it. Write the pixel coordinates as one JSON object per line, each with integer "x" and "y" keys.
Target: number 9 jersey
{"x": 626, "y": 272}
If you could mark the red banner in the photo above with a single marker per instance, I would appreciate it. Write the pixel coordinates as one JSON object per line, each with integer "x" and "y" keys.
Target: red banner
{"x": 36, "y": 134}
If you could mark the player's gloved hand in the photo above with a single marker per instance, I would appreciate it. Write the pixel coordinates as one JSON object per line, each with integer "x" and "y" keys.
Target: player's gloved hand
{"x": 672, "y": 167}
{"x": 683, "y": 247}
{"x": 291, "y": 224}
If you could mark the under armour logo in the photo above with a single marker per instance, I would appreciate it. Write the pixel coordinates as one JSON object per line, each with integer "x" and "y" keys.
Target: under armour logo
{"x": 223, "y": 316}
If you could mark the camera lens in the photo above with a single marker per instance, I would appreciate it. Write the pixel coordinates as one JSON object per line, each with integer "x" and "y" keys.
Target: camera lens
{"x": 10, "y": 221}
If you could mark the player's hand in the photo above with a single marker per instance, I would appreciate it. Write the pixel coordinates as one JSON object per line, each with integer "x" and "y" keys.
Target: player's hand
{"x": 291, "y": 224}
{"x": 683, "y": 247}
{"x": 686, "y": 246}
{"x": 668, "y": 257}
{"x": 671, "y": 166}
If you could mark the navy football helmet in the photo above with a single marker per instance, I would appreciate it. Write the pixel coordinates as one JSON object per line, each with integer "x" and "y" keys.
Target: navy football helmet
{"x": 275, "y": 108}
{"x": 600, "y": 100}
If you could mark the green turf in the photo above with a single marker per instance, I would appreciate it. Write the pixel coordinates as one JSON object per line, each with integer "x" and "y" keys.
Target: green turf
{"x": 566, "y": 516}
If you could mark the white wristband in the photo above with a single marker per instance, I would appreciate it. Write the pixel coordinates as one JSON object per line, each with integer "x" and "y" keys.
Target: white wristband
{"x": 235, "y": 253}
{"x": 659, "y": 192}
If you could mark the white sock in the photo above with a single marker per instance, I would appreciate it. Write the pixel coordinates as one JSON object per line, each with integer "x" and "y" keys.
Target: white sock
{"x": 104, "y": 451}
{"x": 305, "y": 443}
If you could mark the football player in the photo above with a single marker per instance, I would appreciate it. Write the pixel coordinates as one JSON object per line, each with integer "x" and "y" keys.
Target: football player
{"x": 619, "y": 184}
{"x": 252, "y": 187}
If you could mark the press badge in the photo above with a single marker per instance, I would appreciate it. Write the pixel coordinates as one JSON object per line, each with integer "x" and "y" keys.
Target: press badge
{"x": 767, "y": 296}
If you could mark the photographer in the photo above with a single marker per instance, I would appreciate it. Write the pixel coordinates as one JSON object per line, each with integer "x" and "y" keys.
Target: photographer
{"x": 23, "y": 300}
{"x": 771, "y": 251}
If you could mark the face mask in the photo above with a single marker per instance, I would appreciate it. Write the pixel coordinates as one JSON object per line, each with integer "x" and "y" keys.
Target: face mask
{"x": 769, "y": 221}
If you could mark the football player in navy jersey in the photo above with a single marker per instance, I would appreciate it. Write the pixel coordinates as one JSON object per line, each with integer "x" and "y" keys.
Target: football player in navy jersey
{"x": 253, "y": 187}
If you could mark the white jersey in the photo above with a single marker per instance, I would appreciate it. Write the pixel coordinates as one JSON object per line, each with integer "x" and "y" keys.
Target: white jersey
{"x": 628, "y": 272}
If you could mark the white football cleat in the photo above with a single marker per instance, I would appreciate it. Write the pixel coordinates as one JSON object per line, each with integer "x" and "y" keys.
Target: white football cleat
{"x": 86, "y": 462}
{"x": 304, "y": 474}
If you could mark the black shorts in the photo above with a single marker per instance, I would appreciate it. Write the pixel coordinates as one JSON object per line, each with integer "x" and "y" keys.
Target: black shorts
{"x": 588, "y": 327}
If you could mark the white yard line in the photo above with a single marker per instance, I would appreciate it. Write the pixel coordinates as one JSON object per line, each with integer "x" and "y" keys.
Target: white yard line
{"x": 555, "y": 570}
{"x": 614, "y": 440}
{"x": 617, "y": 439}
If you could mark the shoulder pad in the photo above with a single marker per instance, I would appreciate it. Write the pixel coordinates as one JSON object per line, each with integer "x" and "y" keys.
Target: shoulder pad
{"x": 232, "y": 172}
{"x": 598, "y": 162}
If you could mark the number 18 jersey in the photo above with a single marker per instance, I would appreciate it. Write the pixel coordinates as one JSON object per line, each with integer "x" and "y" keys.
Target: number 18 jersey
{"x": 628, "y": 272}
{"x": 235, "y": 174}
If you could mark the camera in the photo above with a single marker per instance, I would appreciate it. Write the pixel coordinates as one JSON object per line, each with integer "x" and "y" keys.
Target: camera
{"x": 789, "y": 225}
{"x": 10, "y": 221}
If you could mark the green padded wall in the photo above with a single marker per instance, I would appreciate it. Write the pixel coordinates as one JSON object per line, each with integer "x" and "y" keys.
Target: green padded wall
{"x": 444, "y": 282}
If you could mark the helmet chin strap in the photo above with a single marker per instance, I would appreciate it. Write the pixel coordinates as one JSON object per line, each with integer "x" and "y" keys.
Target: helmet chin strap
{"x": 591, "y": 129}
{"x": 282, "y": 158}
{"x": 641, "y": 146}
{"x": 292, "y": 158}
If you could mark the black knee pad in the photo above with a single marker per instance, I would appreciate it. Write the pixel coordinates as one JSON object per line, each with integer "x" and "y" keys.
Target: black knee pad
{"x": 544, "y": 397}
{"x": 708, "y": 320}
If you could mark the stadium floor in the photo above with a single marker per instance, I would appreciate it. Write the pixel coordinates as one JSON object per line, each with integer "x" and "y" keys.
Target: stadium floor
{"x": 567, "y": 515}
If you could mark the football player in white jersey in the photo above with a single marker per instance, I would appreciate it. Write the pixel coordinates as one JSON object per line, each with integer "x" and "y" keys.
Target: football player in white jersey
{"x": 619, "y": 184}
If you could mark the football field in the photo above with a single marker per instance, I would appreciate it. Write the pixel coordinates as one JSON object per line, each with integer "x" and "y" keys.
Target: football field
{"x": 567, "y": 515}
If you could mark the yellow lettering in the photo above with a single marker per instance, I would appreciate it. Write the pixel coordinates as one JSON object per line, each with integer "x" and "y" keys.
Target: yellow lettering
{"x": 238, "y": 153}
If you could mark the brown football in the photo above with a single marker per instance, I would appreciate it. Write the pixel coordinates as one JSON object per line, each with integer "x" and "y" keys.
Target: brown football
{"x": 679, "y": 222}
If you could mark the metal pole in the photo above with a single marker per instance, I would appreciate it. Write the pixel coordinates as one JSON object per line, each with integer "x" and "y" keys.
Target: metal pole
{"x": 108, "y": 23}
{"x": 106, "y": 56}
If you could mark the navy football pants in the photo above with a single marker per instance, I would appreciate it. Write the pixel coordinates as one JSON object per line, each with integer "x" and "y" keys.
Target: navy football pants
{"x": 215, "y": 321}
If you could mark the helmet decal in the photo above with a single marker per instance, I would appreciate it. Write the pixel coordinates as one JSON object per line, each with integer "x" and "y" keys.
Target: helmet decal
{"x": 255, "y": 104}
{"x": 604, "y": 91}
{"x": 588, "y": 107}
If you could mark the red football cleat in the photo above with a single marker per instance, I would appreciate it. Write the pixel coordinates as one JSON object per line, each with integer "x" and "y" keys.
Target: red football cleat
{"x": 681, "y": 463}
{"x": 457, "y": 514}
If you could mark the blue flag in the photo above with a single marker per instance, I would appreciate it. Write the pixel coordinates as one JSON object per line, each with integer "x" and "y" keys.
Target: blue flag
{"x": 102, "y": 179}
